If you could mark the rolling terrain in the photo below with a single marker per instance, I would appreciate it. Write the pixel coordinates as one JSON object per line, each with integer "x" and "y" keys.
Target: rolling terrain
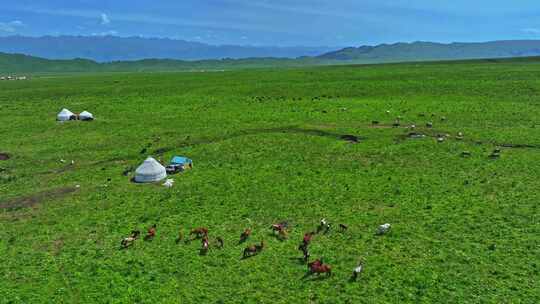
{"x": 112, "y": 48}
{"x": 425, "y": 51}
{"x": 271, "y": 145}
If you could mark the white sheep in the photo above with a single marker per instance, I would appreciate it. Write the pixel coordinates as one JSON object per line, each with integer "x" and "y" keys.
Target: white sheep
{"x": 383, "y": 229}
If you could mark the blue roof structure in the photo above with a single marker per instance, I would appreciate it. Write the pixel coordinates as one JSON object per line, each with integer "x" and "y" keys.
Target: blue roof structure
{"x": 180, "y": 160}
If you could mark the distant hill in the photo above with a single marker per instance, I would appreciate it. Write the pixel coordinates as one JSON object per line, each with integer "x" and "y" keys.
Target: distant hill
{"x": 23, "y": 64}
{"x": 18, "y": 63}
{"x": 421, "y": 51}
{"x": 110, "y": 48}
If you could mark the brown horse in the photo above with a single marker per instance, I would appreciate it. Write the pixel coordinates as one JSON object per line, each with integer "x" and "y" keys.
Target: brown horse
{"x": 307, "y": 238}
{"x": 253, "y": 250}
{"x": 317, "y": 267}
{"x": 151, "y": 233}
{"x": 245, "y": 235}
{"x": 322, "y": 269}
{"x": 317, "y": 262}
{"x": 199, "y": 233}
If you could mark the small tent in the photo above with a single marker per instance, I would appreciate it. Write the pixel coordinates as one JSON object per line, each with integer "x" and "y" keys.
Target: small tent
{"x": 184, "y": 161}
{"x": 85, "y": 115}
{"x": 65, "y": 115}
{"x": 150, "y": 171}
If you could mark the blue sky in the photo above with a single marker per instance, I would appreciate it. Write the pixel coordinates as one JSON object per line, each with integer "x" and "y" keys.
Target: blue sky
{"x": 278, "y": 22}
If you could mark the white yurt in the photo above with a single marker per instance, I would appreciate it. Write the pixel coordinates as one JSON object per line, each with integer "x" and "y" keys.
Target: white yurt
{"x": 150, "y": 171}
{"x": 85, "y": 115}
{"x": 64, "y": 115}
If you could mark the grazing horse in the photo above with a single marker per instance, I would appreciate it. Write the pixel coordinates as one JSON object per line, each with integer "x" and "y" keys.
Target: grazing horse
{"x": 307, "y": 238}
{"x": 317, "y": 262}
{"x": 199, "y": 232}
{"x": 253, "y": 250}
{"x": 324, "y": 225}
{"x": 357, "y": 271}
{"x": 343, "y": 227}
{"x": 281, "y": 229}
{"x": 126, "y": 242}
{"x": 180, "y": 237}
{"x": 305, "y": 251}
{"x": 151, "y": 233}
{"x": 245, "y": 235}
{"x": 220, "y": 242}
{"x": 317, "y": 267}
{"x": 205, "y": 245}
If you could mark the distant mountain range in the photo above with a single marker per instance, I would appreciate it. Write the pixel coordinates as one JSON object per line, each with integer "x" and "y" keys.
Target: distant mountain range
{"x": 421, "y": 51}
{"x": 17, "y": 64}
{"x": 111, "y": 48}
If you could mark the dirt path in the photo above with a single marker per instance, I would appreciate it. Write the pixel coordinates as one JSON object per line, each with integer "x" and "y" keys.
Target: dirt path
{"x": 37, "y": 198}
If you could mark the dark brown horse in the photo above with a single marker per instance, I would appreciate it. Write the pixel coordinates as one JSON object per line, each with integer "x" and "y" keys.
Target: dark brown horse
{"x": 305, "y": 251}
{"x": 307, "y": 238}
{"x": 253, "y": 250}
{"x": 245, "y": 235}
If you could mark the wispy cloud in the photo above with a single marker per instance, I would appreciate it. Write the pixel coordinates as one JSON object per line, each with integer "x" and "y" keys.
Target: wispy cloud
{"x": 107, "y": 33}
{"x": 531, "y": 31}
{"x": 155, "y": 20}
{"x": 11, "y": 27}
{"x": 105, "y": 19}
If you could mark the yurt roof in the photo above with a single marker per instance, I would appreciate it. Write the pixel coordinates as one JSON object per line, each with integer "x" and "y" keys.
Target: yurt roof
{"x": 149, "y": 167}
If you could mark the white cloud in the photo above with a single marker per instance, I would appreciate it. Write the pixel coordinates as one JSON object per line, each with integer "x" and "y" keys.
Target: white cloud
{"x": 107, "y": 33}
{"x": 532, "y": 31}
{"x": 105, "y": 19}
{"x": 11, "y": 27}
{"x": 151, "y": 19}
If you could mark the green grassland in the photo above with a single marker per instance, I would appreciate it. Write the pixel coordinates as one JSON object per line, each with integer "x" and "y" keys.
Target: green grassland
{"x": 266, "y": 147}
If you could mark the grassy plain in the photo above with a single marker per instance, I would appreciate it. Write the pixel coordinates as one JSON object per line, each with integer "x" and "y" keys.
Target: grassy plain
{"x": 266, "y": 147}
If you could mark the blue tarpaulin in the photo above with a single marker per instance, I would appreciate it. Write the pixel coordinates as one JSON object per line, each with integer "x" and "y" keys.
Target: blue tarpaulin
{"x": 180, "y": 160}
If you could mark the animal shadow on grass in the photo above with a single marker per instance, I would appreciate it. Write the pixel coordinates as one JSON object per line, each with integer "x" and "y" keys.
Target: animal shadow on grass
{"x": 352, "y": 279}
{"x": 300, "y": 260}
{"x": 278, "y": 237}
{"x": 311, "y": 277}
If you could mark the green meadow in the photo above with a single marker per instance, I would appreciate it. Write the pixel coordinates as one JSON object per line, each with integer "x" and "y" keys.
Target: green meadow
{"x": 267, "y": 147}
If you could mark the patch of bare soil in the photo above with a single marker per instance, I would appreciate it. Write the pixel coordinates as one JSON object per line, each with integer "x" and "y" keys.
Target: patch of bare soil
{"x": 57, "y": 246}
{"x": 37, "y": 198}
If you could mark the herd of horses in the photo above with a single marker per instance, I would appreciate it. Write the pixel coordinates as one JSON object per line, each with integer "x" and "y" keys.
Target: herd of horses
{"x": 316, "y": 267}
